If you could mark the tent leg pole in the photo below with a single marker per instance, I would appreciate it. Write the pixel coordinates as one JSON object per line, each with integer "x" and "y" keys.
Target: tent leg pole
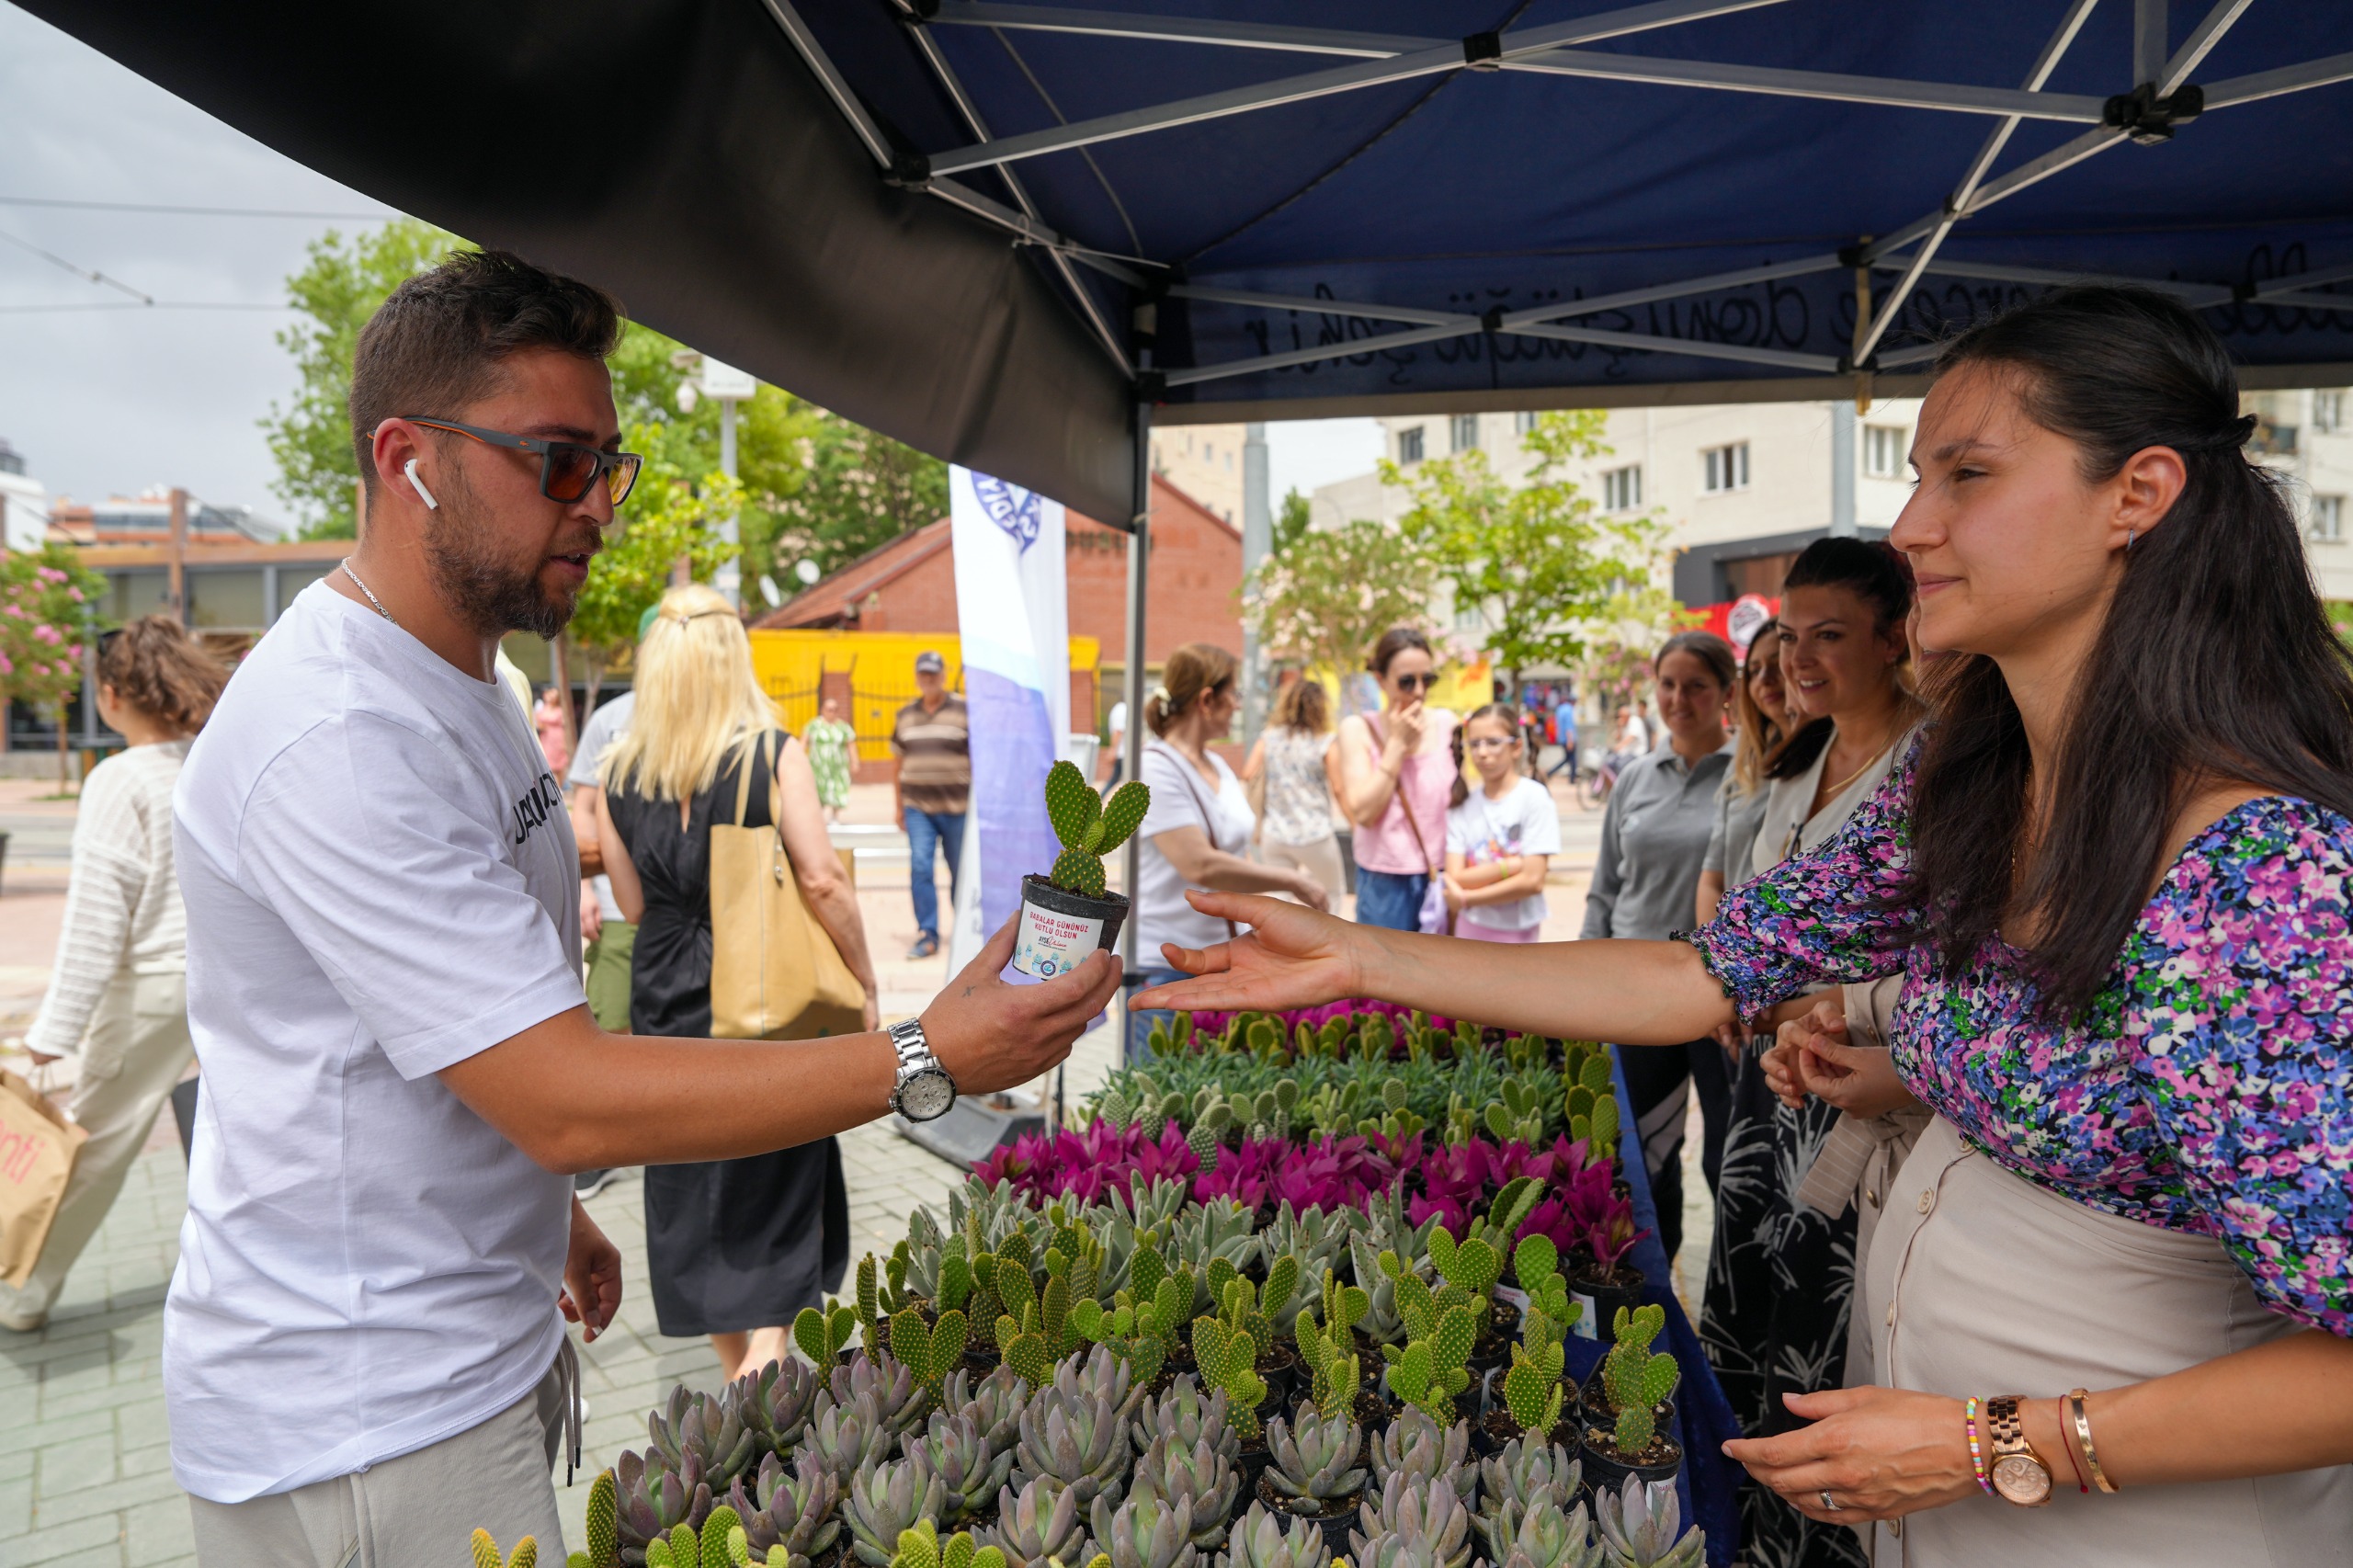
{"x": 1139, "y": 550}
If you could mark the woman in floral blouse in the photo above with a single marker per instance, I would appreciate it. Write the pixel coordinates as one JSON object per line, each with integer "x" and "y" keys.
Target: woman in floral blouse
{"x": 2113, "y": 875}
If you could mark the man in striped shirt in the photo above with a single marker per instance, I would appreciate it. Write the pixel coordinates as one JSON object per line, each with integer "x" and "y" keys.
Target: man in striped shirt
{"x": 934, "y": 741}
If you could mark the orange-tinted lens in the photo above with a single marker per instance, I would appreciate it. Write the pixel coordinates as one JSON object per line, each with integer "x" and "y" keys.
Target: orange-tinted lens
{"x": 570, "y": 470}
{"x": 621, "y": 478}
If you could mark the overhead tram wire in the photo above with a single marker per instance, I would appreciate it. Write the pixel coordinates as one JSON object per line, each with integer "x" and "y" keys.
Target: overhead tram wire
{"x": 177, "y": 211}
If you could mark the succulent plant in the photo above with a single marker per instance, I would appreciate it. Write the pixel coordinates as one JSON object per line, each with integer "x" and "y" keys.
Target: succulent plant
{"x": 1073, "y": 1442}
{"x": 1432, "y": 1367}
{"x": 875, "y": 1373}
{"x": 929, "y": 1354}
{"x": 777, "y": 1402}
{"x": 920, "y": 1546}
{"x": 1421, "y": 1509}
{"x": 1416, "y": 1446}
{"x": 710, "y": 1429}
{"x": 1200, "y": 1476}
{"x": 823, "y": 1335}
{"x": 994, "y": 1402}
{"x": 884, "y": 1497}
{"x": 1185, "y": 1415}
{"x": 953, "y": 1449}
{"x": 1545, "y": 1535}
{"x": 1329, "y": 1348}
{"x": 1128, "y": 1333}
{"x": 719, "y": 1543}
{"x": 1042, "y": 1523}
{"x": 1319, "y": 1240}
{"x": 876, "y": 1302}
{"x": 844, "y": 1437}
{"x": 1532, "y": 1387}
{"x": 1516, "y": 1477}
{"x": 1099, "y": 1375}
{"x": 1088, "y": 825}
{"x": 649, "y": 1502}
{"x": 1321, "y": 1459}
{"x": 1220, "y": 1228}
{"x": 1228, "y": 1359}
{"x": 789, "y": 1513}
{"x": 527, "y": 1552}
{"x": 1259, "y": 1541}
{"x": 1146, "y": 1532}
{"x": 1590, "y": 1105}
{"x": 604, "y": 1545}
{"x": 1634, "y": 1380}
{"x": 1549, "y": 1314}
{"x": 1638, "y": 1528}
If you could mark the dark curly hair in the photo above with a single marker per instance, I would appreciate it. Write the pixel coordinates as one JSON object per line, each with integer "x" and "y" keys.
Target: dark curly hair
{"x": 156, "y": 666}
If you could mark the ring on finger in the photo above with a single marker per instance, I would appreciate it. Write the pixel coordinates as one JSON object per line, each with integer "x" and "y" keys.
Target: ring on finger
{"x": 1829, "y": 1502}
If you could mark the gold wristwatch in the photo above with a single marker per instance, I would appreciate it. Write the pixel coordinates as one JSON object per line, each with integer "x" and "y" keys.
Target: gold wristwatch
{"x": 2018, "y": 1473}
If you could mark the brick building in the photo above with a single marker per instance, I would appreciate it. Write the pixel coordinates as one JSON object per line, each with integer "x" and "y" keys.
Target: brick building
{"x": 909, "y": 585}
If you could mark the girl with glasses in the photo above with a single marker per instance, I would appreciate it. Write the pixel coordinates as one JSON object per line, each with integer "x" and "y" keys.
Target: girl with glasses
{"x": 1397, "y": 773}
{"x": 1500, "y": 836}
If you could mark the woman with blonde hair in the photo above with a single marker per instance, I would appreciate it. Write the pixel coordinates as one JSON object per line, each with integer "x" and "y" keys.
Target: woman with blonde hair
{"x": 734, "y": 1248}
{"x": 117, "y": 994}
{"x": 1302, "y": 772}
{"x": 1196, "y": 833}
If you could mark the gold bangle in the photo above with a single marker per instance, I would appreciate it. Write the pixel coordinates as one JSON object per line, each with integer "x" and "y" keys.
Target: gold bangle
{"x": 2080, "y": 1430}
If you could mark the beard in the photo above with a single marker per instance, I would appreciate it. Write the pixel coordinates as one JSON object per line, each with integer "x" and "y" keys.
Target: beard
{"x": 494, "y": 596}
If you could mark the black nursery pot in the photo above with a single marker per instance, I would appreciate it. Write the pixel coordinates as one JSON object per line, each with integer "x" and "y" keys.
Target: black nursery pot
{"x": 1595, "y": 1404}
{"x": 1335, "y": 1525}
{"x": 1606, "y": 1471}
{"x": 1601, "y": 1297}
{"x": 1059, "y": 928}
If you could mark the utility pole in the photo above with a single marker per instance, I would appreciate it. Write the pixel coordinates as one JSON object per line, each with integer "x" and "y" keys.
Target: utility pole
{"x": 731, "y": 387}
{"x": 1842, "y": 470}
{"x": 1257, "y": 542}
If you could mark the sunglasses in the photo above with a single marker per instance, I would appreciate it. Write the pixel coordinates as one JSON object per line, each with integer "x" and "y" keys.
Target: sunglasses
{"x": 1491, "y": 743}
{"x": 1417, "y": 683}
{"x": 567, "y": 469}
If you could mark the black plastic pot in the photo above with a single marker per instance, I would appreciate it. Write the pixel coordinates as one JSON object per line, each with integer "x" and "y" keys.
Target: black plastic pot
{"x": 1253, "y": 1464}
{"x": 1595, "y": 1404}
{"x": 1048, "y": 941}
{"x": 1335, "y": 1525}
{"x": 1601, "y": 1298}
{"x": 1604, "y": 1472}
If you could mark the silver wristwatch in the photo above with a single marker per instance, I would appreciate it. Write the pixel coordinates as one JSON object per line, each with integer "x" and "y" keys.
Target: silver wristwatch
{"x": 924, "y": 1090}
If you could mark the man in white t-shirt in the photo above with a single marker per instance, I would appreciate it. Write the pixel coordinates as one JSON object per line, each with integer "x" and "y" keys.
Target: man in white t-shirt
{"x": 361, "y": 1343}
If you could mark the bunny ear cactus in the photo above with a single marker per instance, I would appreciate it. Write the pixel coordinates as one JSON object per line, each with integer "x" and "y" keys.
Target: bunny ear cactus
{"x": 1432, "y": 1369}
{"x": 920, "y": 1546}
{"x": 823, "y": 1335}
{"x": 527, "y": 1552}
{"x": 1532, "y": 1387}
{"x": 1634, "y": 1380}
{"x": 1089, "y": 826}
{"x": 929, "y": 1355}
{"x": 1638, "y": 1528}
{"x": 1228, "y": 1359}
{"x": 604, "y": 1541}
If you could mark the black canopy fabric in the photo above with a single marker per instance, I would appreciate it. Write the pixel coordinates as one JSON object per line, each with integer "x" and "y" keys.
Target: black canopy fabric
{"x": 1253, "y": 209}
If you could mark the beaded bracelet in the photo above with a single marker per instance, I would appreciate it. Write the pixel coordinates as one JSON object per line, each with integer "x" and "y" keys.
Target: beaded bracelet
{"x": 1976, "y": 1455}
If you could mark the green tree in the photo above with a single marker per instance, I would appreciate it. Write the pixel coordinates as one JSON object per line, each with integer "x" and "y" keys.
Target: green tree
{"x": 46, "y": 615}
{"x": 340, "y": 288}
{"x": 1328, "y": 598}
{"x": 1551, "y": 570}
{"x": 1290, "y": 522}
{"x": 667, "y": 518}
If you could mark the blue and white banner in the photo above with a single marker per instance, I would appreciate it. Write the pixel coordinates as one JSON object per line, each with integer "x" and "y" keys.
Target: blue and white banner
{"x": 1012, "y": 616}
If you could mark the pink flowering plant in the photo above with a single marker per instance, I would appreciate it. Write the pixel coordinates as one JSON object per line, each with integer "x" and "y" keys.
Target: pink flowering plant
{"x": 46, "y": 598}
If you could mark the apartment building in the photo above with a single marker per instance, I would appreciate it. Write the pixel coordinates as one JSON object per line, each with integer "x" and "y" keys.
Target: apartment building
{"x": 2304, "y": 435}
{"x": 1205, "y": 462}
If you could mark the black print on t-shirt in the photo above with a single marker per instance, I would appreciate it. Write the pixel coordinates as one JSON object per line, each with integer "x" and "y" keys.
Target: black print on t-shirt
{"x": 535, "y": 807}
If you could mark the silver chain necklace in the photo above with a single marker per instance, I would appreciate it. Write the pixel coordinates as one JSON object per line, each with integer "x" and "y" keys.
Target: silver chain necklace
{"x": 369, "y": 592}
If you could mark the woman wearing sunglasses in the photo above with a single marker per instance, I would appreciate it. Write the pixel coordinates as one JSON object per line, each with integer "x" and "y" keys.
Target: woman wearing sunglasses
{"x": 1397, "y": 772}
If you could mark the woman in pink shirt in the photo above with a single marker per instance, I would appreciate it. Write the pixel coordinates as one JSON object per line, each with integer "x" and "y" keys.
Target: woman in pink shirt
{"x": 1397, "y": 772}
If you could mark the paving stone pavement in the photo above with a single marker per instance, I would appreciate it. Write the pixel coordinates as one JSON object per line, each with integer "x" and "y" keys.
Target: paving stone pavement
{"x": 84, "y": 1466}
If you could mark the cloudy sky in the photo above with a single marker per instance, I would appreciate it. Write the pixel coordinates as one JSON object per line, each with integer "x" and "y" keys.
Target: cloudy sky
{"x": 103, "y": 396}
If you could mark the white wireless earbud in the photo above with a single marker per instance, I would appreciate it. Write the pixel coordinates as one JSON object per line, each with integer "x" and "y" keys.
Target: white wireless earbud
{"x": 422, "y": 494}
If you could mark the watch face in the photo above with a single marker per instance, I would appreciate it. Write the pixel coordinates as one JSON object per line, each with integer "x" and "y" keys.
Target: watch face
{"x": 2020, "y": 1480}
{"x": 927, "y": 1095}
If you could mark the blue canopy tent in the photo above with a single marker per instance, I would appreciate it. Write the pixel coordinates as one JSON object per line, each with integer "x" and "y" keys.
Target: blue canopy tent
{"x": 1015, "y": 234}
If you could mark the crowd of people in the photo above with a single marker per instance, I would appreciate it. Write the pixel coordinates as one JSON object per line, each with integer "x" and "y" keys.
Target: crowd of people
{"x": 1991, "y": 904}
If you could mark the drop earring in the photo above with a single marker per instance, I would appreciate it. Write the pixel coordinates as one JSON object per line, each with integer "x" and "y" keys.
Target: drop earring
{"x": 2129, "y": 535}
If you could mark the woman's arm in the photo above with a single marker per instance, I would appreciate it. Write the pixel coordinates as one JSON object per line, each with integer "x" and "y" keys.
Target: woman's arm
{"x": 1368, "y": 785}
{"x": 801, "y": 818}
{"x": 1205, "y": 866}
{"x": 1526, "y": 877}
{"x": 1255, "y": 761}
{"x": 619, "y": 869}
{"x": 1485, "y": 874}
{"x": 108, "y": 872}
{"x": 1711, "y": 894}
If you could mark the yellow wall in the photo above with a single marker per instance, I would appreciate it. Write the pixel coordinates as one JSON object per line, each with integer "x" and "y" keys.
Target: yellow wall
{"x": 881, "y": 662}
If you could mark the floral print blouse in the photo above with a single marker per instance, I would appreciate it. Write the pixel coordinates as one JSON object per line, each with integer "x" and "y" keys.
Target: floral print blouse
{"x": 2209, "y": 1087}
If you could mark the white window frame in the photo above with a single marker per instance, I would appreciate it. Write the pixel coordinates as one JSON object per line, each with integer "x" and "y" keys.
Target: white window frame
{"x": 1723, "y": 469}
{"x": 2328, "y": 411}
{"x": 1412, "y": 444}
{"x": 1884, "y": 451}
{"x": 1524, "y": 422}
{"x": 2327, "y": 522}
{"x": 1463, "y": 433}
{"x": 1621, "y": 488}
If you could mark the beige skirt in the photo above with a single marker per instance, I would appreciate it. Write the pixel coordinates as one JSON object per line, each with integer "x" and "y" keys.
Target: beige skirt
{"x": 1979, "y": 1282}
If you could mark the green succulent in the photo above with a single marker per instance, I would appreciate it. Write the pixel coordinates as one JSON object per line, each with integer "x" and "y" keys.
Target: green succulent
{"x": 777, "y": 1402}
{"x": 1130, "y": 1333}
{"x": 1228, "y": 1361}
{"x": 1425, "y": 1510}
{"x": 823, "y": 1335}
{"x": 1329, "y": 1350}
{"x": 1259, "y": 1541}
{"x": 888, "y": 1496}
{"x": 897, "y": 1397}
{"x": 920, "y": 1546}
{"x": 1203, "y": 1478}
{"x": 1322, "y": 1458}
{"x": 788, "y": 1514}
{"x": 1041, "y": 1524}
{"x": 1634, "y": 1380}
{"x": 1185, "y": 1417}
{"x": 600, "y": 1526}
{"x": 929, "y": 1355}
{"x": 1524, "y": 1471}
{"x": 842, "y": 1439}
{"x": 1073, "y": 1442}
{"x": 1545, "y": 1535}
{"x": 485, "y": 1549}
{"x": 1549, "y": 1314}
{"x": 1144, "y": 1533}
{"x": 1532, "y": 1387}
{"x": 1639, "y": 1524}
{"x": 1089, "y": 826}
{"x": 1432, "y": 1367}
{"x": 720, "y": 1543}
{"x": 1414, "y": 1446}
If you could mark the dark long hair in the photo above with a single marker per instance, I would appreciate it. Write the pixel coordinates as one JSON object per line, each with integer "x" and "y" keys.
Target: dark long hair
{"x": 1874, "y": 573}
{"x": 2216, "y": 662}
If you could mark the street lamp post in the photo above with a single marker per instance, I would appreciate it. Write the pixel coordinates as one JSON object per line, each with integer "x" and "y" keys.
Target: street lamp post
{"x": 731, "y": 387}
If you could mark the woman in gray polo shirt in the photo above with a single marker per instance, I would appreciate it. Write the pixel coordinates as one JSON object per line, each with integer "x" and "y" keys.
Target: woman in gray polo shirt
{"x": 1654, "y": 836}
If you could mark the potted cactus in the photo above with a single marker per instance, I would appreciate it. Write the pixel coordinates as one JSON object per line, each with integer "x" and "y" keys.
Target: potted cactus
{"x": 684, "y": 1546}
{"x": 1316, "y": 1472}
{"x": 1634, "y": 1383}
{"x": 1328, "y": 1350}
{"x": 1252, "y": 1310}
{"x": 1524, "y": 1399}
{"x": 1068, "y": 913}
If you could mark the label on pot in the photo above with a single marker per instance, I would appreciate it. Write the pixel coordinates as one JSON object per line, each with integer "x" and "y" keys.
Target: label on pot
{"x": 1584, "y": 1328}
{"x": 1047, "y": 943}
{"x": 1513, "y": 1294}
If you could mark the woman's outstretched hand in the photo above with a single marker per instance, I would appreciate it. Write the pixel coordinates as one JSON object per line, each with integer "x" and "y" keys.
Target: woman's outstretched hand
{"x": 1879, "y": 1452}
{"x": 1294, "y": 956}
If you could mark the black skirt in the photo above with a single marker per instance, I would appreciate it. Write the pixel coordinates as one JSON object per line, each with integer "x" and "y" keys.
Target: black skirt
{"x": 732, "y": 1246}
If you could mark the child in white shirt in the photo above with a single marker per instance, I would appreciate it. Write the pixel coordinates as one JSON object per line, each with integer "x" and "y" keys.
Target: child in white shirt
{"x": 1500, "y": 836}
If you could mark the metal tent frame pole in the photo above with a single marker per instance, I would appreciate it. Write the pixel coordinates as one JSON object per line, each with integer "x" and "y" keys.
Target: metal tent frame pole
{"x": 1138, "y": 571}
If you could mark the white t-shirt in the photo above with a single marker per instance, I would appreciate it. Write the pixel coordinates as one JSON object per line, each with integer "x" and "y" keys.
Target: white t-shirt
{"x": 1178, "y": 795}
{"x": 1525, "y": 821}
{"x": 381, "y": 880}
